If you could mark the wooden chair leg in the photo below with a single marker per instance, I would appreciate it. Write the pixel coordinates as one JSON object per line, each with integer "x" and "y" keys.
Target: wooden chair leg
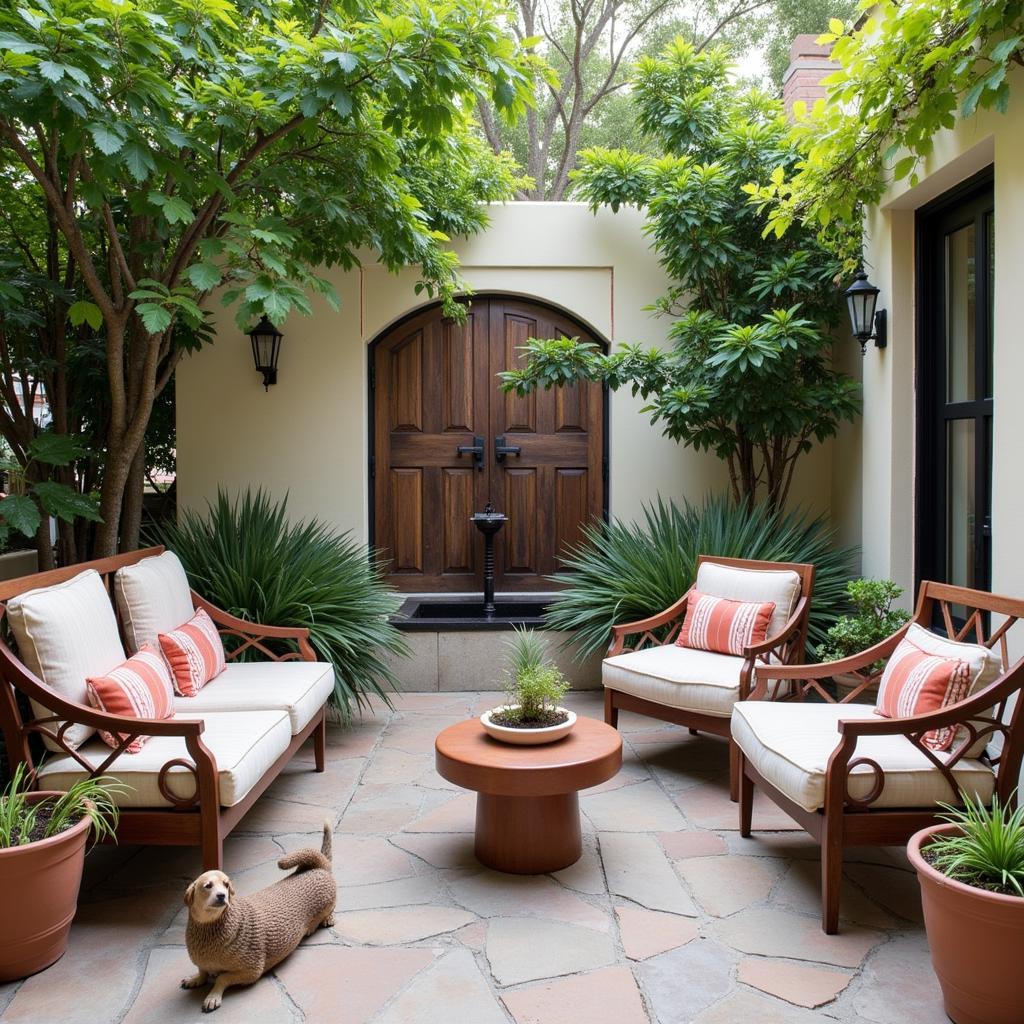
{"x": 746, "y": 796}
{"x": 831, "y": 874}
{"x": 734, "y": 771}
{"x": 611, "y": 712}
{"x": 212, "y": 839}
{"x": 320, "y": 742}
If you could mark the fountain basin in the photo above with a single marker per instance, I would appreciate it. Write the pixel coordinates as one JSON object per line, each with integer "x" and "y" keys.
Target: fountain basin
{"x": 465, "y": 612}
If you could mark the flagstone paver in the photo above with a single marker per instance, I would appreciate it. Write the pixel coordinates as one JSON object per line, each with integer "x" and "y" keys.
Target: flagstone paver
{"x": 796, "y": 983}
{"x": 425, "y": 935}
{"x": 524, "y": 949}
{"x": 646, "y": 933}
{"x": 636, "y": 868}
{"x": 608, "y": 996}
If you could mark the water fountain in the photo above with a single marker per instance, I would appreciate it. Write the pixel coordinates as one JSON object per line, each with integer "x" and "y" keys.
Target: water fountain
{"x": 488, "y": 523}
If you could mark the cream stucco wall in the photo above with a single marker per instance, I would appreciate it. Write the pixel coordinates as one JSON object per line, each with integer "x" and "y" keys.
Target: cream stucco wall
{"x": 307, "y": 436}
{"x": 886, "y": 502}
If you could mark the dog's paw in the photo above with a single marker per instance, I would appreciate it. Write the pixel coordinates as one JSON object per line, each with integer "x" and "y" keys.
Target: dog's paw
{"x": 327, "y": 922}
{"x": 211, "y": 1003}
{"x": 194, "y": 982}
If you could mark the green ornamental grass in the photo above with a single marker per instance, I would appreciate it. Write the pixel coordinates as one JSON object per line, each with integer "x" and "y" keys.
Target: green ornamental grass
{"x": 246, "y": 556}
{"x": 988, "y": 850}
{"x": 626, "y": 571}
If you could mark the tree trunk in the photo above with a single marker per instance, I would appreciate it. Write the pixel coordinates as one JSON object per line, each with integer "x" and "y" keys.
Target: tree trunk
{"x": 115, "y": 477}
{"x": 131, "y": 506}
{"x": 44, "y": 549}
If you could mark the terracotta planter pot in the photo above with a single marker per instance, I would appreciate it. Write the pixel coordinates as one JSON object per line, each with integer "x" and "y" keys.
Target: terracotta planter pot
{"x": 39, "y": 895}
{"x": 976, "y": 938}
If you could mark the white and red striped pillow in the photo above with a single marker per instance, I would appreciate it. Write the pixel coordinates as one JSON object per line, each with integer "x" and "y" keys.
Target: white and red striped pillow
{"x": 916, "y": 681}
{"x": 724, "y": 626}
{"x": 140, "y": 688}
{"x": 195, "y": 653}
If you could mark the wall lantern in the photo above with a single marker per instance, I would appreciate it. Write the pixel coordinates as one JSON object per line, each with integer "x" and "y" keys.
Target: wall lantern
{"x": 266, "y": 345}
{"x": 868, "y": 325}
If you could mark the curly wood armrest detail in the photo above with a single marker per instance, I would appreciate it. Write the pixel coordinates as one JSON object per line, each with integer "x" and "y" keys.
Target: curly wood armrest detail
{"x": 644, "y": 626}
{"x": 253, "y": 632}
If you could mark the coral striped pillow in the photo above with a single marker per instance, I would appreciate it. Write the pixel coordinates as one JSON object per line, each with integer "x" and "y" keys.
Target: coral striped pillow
{"x": 915, "y": 682}
{"x": 727, "y": 627}
{"x": 195, "y": 653}
{"x": 140, "y": 688}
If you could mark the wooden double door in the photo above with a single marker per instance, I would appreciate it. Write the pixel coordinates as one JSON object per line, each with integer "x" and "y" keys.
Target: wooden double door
{"x": 447, "y": 440}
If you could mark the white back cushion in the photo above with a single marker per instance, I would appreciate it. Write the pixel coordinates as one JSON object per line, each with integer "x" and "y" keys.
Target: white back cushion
{"x": 779, "y": 585}
{"x": 153, "y": 597}
{"x": 66, "y": 633}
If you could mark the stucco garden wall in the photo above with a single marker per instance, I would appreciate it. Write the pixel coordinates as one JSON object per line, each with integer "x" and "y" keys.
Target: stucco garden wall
{"x": 308, "y": 435}
{"x": 887, "y": 455}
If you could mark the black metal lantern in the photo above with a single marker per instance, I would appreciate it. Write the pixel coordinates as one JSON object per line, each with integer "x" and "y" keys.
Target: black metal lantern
{"x": 266, "y": 346}
{"x": 868, "y": 323}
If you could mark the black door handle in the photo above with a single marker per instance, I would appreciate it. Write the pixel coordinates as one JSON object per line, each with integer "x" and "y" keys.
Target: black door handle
{"x": 476, "y": 449}
{"x": 501, "y": 449}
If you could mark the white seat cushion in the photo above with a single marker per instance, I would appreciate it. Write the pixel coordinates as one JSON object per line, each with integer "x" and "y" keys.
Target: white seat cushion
{"x": 678, "y": 677}
{"x": 153, "y": 597}
{"x": 66, "y": 633}
{"x": 779, "y": 585}
{"x": 789, "y": 744}
{"x": 299, "y": 688}
{"x": 244, "y": 746}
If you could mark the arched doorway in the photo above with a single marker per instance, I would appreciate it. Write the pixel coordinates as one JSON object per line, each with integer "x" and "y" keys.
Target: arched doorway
{"x": 434, "y": 398}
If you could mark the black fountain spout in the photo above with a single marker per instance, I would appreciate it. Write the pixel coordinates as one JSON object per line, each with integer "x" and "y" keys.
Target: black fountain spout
{"x": 488, "y": 523}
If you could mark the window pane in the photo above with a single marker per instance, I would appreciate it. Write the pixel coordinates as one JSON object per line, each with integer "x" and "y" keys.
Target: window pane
{"x": 960, "y": 315}
{"x": 960, "y": 503}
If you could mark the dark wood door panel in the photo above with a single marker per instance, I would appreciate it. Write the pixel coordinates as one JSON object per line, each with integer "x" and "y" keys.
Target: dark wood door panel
{"x": 441, "y": 392}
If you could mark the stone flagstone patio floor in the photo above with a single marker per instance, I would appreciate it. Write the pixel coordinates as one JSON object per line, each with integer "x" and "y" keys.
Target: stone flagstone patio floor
{"x": 669, "y": 917}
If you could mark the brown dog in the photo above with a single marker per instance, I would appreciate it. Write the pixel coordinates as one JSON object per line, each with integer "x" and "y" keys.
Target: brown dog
{"x": 240, "y": 938}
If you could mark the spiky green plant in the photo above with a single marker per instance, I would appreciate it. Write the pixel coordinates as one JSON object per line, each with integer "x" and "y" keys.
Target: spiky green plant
{"x": 527, "y": 650}
{"x": 533, "y": 684}
{"x": 988, "y": 849}
{"x": 87, "y": 798}
{"x": 246, "y": 556}
{"x": 622, "y": 571}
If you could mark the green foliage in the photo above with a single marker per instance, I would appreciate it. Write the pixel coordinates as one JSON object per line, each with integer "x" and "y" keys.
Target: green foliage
{"x": 533, "y": 683}
{"x": 873, "y": 619}
{"x": 988, "y": 851}
{"x": 87, "y": 798}
{"x": 247, "y": 557}
{"x": 624, "y": 571}
{"x": 748, "y": 375}
{"x": 907, "y": 70}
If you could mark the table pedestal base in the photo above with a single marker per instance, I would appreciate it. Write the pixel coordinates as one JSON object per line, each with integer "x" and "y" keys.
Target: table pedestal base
{"x": 528, "y": 835}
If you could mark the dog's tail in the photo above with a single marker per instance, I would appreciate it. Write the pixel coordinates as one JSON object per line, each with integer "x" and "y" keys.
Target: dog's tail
{"x": 307, "y": 859}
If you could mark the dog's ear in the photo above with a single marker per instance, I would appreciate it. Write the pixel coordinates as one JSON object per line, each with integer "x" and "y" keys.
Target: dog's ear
{"x": 231, "y": 888}
{"x": 189, "y": 893}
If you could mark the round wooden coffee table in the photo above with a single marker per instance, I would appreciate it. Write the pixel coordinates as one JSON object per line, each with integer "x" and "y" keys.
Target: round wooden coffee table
{"x": 527, "y": 804}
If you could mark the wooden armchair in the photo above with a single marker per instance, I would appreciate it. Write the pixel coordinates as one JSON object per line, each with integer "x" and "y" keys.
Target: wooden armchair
{"x": 645, "y": 672}
{"x": 851, "y": 777}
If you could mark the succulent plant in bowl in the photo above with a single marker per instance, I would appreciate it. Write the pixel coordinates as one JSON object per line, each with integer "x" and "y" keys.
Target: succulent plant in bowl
{"x": 534, "y": 687}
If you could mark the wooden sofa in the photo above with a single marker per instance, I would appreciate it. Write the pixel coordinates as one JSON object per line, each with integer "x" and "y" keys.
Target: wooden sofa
{"x": 201, "y": 769}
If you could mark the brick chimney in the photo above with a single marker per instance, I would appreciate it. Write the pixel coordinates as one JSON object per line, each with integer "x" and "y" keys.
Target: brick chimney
{"x": 809, "y": 63}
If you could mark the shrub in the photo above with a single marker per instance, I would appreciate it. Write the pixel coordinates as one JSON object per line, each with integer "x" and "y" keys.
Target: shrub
{"x": 873, "y": 619}
{"x": 627, "y": 571}
{"x": 533, "y": 683}
{"x": 988, "y": 851}
{"x": 247, "y": 557}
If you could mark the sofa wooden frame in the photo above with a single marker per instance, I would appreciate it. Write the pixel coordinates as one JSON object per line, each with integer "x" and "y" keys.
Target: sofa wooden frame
{"x": 787, "y": 647}
{"x": 845, "y": 821}
{"x": 198, "y": 819}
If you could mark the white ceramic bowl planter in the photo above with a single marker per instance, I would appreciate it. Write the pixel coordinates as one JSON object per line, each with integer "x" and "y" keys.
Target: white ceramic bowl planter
{"x": 527, "y": 737}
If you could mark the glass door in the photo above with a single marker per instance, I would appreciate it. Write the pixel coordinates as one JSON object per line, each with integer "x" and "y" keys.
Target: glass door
{"x": 954, "y": 497}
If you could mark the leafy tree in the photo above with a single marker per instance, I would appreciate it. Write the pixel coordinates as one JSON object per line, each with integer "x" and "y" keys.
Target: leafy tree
{"x": 182, "y": 146}
{"x": 907, "y": 71}
{"x": 749, "y": 373}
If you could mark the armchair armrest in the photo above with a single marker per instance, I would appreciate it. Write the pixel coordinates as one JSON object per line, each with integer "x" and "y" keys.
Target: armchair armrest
{"x": 253, "y": 632}
{"x": 644, "y": 626}
{"x": 753, "y": 687}
{"x": 826, "y": 669}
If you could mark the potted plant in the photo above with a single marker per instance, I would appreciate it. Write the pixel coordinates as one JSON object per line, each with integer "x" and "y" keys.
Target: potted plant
{"x": 873, "y": 618}
{"x": 971, "y": 872}
{"x": 531, "y": 714}
{"x": 42, "y": 852}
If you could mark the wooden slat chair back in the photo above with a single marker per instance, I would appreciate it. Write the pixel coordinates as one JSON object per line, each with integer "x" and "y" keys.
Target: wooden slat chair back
{"x": 194, "y": 819}
{"x": 971, "y": 616}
